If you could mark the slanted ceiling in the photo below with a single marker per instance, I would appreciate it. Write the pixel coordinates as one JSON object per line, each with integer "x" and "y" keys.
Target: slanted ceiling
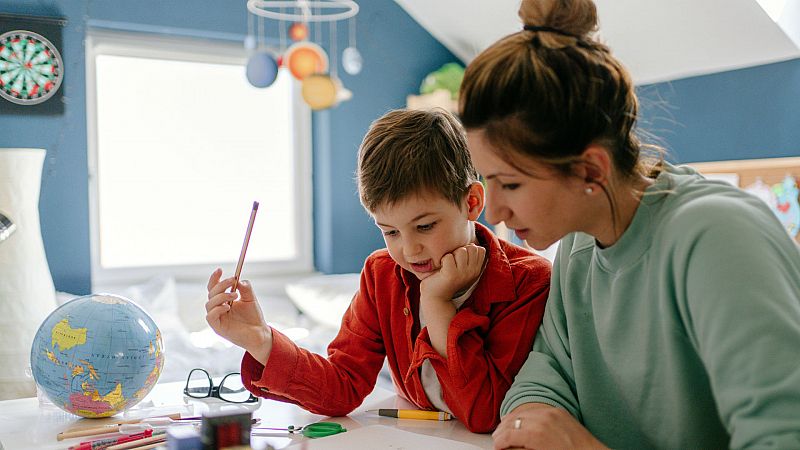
{"x": 658, "y": 40}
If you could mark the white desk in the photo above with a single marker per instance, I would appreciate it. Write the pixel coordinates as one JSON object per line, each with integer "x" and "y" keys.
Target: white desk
{"x": 24, "y": 425}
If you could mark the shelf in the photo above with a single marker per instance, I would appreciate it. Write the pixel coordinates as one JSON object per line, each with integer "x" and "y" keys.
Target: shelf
{"x": 439, "y": 98}
{"x": 770, "y": 170}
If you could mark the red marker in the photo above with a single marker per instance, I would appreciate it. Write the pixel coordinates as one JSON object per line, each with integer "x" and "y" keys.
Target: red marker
{"x": 96, "y": 444}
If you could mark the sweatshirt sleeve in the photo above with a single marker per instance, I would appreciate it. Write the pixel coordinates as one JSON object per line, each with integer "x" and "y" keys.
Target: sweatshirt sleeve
{"x": 547, "y": 376}
{"x": 485, "y": 352}
{"x": 332, "y": 386}
{"x": 742, "y": 312}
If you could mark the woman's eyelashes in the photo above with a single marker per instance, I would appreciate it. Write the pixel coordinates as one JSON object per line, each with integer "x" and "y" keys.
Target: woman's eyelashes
{"x": 509, "y": 186}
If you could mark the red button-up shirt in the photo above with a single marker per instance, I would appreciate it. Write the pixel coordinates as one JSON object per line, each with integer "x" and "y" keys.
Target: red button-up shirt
{"x": 488, "y": 341}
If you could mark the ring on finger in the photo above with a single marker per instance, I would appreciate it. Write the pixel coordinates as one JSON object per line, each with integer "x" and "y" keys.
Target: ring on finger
{"x": 517, "y": 423}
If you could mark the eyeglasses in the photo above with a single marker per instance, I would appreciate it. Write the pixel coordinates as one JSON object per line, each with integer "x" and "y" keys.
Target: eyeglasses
{"x": 230, "y": 389}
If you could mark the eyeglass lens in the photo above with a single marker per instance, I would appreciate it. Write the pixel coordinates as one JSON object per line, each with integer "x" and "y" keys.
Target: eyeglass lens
{"x": 199, "y": 384}
{"x": 232, "y": 389}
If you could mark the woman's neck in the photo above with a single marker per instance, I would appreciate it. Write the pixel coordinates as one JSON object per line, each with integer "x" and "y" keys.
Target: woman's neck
{"x": 626, "y": 202}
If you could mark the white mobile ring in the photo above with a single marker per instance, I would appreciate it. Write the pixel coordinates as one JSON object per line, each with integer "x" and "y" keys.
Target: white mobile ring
{"x": 517, "y": 423}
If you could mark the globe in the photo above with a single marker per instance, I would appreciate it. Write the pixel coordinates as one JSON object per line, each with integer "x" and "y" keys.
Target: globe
{"x": 97, "y": 355}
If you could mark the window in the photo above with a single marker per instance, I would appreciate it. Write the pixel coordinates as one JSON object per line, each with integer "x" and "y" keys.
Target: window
{"x": 180, "y": 145}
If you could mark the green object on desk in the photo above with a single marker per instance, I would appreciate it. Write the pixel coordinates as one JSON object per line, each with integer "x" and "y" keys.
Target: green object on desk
{"x": 314, "y": 430}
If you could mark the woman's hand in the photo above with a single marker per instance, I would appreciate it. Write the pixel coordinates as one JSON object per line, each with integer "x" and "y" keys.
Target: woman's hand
{"x": 241, "y": 321}
{"x": 540, "y": 426}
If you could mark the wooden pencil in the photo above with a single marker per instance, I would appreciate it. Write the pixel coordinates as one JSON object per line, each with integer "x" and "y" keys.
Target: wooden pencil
{"x": 249, "y": 231}
{"x": 140, "y": 443}
{"x": 104, "y": 429}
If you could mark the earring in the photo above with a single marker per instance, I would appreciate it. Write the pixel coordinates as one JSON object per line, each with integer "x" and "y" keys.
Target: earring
{"x": 588, "y": 190}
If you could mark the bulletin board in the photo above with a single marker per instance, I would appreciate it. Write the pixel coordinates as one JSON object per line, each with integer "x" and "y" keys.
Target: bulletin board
{"x": 771, "y": 171}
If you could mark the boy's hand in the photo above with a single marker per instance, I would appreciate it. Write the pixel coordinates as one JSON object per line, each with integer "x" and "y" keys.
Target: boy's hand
{"x": 240, "y": 322}
{"x": 459, "y": 269}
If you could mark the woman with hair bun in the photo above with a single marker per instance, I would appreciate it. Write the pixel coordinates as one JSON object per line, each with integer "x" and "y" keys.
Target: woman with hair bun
{"x": 673, "y": 319}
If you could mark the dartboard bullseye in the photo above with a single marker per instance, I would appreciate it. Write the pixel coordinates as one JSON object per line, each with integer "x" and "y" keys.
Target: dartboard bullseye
{"x": 31, "y": 69}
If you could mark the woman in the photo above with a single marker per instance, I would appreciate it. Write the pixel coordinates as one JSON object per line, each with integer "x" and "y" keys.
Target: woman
{"x": 674, "y": 314}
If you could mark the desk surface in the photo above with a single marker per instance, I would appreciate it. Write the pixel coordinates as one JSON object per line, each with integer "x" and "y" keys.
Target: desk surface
{"x": 24, "y": 425}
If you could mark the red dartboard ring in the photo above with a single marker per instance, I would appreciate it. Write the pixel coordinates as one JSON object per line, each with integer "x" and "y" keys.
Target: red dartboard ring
{"x": 31, "y": 69}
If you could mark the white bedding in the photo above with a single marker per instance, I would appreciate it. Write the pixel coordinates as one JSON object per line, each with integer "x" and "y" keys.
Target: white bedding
{"x": 178, "y": 311}
{"x": 309, "y": 312}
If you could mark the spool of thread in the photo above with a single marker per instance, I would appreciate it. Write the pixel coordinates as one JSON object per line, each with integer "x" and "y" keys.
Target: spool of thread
{"x": 225, "y": 430}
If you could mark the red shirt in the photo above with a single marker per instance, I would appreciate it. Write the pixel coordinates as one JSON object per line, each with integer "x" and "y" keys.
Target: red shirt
{"x": 488, "y": 341}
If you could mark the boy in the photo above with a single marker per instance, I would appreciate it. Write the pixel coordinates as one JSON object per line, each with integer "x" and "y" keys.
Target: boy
{"x": 454, "y": 309}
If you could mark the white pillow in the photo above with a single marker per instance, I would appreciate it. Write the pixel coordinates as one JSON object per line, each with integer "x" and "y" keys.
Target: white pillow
{"x": 324, "y": 298}
{"x": 158, "y": 296}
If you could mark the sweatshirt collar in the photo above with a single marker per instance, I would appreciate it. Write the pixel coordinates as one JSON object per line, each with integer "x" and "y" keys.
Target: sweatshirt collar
{"x": 636, "y": 239}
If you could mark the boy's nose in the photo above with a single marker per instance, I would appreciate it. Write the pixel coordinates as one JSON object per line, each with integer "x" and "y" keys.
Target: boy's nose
{"x": 412, "y": 248}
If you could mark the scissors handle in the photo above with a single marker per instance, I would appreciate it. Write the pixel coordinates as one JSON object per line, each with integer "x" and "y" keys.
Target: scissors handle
{"x": 322, "y": 429}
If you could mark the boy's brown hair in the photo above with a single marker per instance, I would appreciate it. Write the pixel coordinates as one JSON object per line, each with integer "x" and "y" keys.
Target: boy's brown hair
{"x": 408, "y": 152}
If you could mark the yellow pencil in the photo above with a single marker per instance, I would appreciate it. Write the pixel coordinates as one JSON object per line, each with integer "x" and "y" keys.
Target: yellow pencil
{"x": 413, "y": 414}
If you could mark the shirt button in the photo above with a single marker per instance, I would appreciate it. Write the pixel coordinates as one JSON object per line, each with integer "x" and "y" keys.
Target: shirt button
{"x": 405, "y": 311}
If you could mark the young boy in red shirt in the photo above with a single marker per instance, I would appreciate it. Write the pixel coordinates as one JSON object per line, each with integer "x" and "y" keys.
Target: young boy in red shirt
{"x": 454, "y": 309}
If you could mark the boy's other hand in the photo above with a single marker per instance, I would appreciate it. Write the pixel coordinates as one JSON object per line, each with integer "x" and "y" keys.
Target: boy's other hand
{"x": 459, "y": 269}
{"x": 241, "y": 322}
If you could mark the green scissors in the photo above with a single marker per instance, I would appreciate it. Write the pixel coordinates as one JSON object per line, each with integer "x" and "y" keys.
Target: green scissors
{"x": 314, "y": 430}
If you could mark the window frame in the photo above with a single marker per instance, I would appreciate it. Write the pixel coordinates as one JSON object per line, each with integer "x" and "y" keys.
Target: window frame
{"x": 119, "y": 43}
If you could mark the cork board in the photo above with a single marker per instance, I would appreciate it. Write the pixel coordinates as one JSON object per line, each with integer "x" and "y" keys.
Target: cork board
{"x": 770, "y": 170}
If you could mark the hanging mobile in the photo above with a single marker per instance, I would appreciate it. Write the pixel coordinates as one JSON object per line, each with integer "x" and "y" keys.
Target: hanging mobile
{"x": 351, "y": 57}
{"x": 262, "y": 68}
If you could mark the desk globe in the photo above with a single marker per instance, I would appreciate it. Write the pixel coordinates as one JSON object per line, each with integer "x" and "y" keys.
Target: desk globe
{"x": 97, "y": 355}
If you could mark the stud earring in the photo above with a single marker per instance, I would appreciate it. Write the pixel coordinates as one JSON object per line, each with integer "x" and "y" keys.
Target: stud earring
{"x": 588, "y": 190}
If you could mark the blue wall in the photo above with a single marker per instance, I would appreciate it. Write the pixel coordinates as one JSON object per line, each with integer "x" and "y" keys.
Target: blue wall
{"x": 397, "y": 53}
{"x": 740, "y": 114}
{"x": 748, "y": 113}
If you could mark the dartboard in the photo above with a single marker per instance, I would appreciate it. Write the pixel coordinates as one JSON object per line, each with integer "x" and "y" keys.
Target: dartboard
{"x": 31, "y": 69}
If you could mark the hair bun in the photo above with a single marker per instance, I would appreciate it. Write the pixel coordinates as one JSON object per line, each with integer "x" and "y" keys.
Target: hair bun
{"x": 575, "y": 17}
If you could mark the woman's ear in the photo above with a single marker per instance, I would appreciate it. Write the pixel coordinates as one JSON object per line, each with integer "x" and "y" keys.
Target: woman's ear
{"x": 595, "y": 167}
{"x": 475, "y": 201}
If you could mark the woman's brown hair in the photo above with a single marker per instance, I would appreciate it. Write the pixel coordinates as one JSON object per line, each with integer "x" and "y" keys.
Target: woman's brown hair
{"x": 551, "y": 90}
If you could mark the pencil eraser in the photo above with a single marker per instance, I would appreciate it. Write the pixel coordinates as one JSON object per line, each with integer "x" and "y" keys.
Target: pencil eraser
{"x": 184, "y": 438}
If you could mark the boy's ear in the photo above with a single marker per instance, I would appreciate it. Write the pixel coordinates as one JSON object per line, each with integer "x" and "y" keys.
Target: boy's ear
{"x": 475, "y": 199}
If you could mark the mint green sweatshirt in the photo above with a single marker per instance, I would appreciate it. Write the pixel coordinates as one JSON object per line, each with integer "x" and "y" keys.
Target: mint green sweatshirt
{"x": 683, "y": 334}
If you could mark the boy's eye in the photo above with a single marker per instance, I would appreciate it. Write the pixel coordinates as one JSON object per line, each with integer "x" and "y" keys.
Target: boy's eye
{"x": 426, "y": 227}
{"x": 509, "y": 186}
{"x": 390, "y": 233}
